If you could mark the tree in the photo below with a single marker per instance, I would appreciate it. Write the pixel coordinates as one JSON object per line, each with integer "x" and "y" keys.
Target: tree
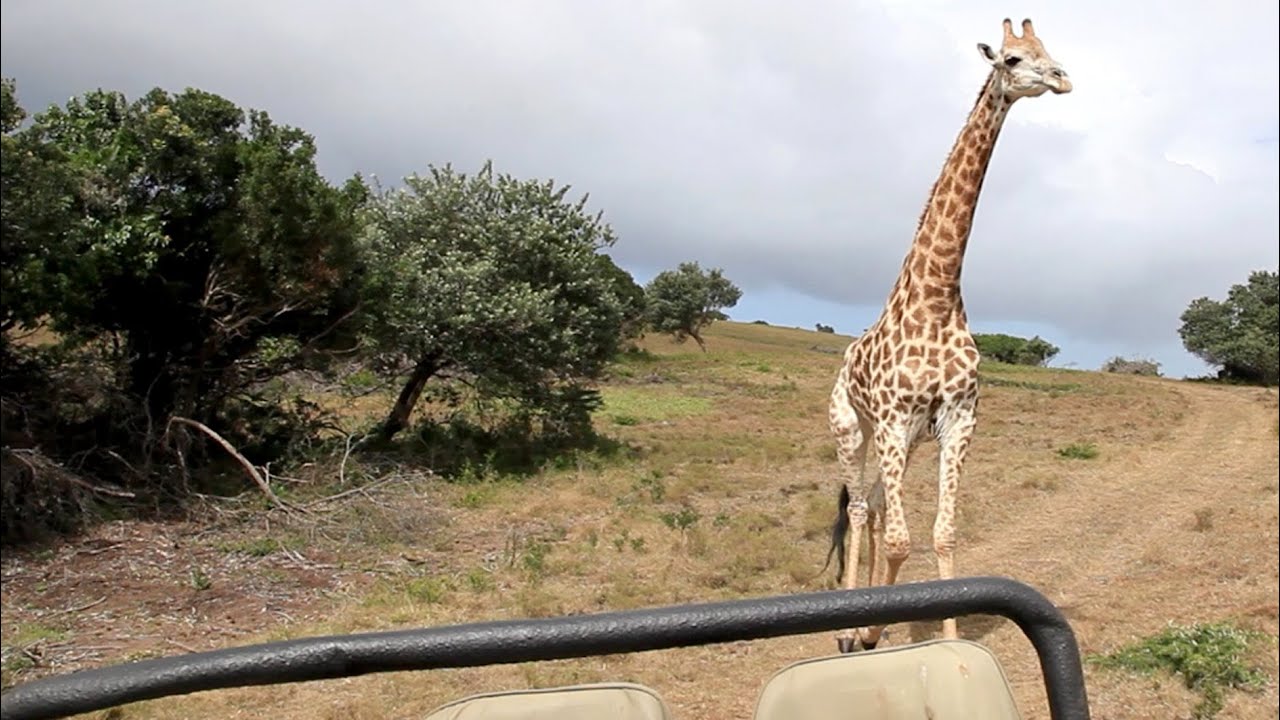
{"x": 199, "y": 233}
{"x": 1014, "y": 350}
{"x": 684, "y": 301}
{"x": 630, "y": 294}
{"x": 183, "y": 251}
{"x": 495, "y": 281}
{"x": 35, "y": 212}
{"x": 197, "y": 241}
{"x": 1241, "y": 334}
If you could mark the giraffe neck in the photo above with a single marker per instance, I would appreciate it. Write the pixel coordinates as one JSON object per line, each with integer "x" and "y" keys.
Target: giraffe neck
{"x": 930, "y": 274}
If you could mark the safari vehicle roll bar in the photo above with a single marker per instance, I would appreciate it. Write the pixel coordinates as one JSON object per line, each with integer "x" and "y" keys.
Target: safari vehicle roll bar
{"x": 517, "y": 641}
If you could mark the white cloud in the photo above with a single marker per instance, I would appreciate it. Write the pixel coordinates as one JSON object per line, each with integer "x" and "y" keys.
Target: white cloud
{"x": 793, "y": 145}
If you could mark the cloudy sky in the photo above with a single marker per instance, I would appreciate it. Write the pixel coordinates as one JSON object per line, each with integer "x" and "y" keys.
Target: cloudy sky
{"x": 792, "y": 144}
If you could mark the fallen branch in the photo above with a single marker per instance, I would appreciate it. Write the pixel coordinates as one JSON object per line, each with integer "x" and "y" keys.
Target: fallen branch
{"x": 79, "y": 608}
{"x": 342, "y": 468}
{"x": 363, "y": 489}
{"x": 63, "y": 474}
{"x": 244, "y": 462}
{"x": 181, "y": 646}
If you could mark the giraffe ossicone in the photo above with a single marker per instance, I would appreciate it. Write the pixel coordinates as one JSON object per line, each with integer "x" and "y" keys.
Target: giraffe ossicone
{"x": 915, "y": 371}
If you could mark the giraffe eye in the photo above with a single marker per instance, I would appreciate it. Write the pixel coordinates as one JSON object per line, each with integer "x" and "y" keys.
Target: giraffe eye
{"x": 1012, "y": 60}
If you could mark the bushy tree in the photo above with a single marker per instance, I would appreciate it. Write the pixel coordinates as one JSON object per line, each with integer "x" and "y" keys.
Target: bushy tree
{"x": 494, "y": 280}
{"x": 194, "y": 232}
{"x": 183, "y": 251}
{"x": 683, "y": 301}
{"x": 1014, "y": 350}
{"x": 1240, "y": 334}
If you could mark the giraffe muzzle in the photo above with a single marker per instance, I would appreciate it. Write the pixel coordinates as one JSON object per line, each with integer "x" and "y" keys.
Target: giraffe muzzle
{"x": 1058, "y": 81}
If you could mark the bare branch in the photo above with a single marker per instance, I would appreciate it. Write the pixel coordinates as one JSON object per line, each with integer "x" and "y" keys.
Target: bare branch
{"x": 79, "y": 608}
{"x": 364, "y": 489}
{"x": 62, "y": 472}
{"x": 244, "y": 462}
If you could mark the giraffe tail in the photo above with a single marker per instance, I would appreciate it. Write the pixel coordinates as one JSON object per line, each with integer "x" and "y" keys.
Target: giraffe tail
{"x": 839, "y": 529}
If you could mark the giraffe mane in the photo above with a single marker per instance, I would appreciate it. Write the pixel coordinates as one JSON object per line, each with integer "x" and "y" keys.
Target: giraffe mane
{"x": 934, "y": 189}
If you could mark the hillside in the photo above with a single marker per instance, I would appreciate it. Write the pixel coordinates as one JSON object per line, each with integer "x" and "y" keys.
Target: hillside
{"x": 1130, "y": 502}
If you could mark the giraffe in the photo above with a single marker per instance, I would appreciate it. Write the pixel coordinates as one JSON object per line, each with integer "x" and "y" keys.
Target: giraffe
{"x": 915, "y": 370}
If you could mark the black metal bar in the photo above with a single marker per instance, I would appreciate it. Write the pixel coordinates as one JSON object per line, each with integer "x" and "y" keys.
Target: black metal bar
{"x": 516, "y": 641}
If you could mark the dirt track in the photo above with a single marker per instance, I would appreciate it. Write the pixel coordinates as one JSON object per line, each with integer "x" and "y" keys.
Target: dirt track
{"x": 1183, "y": 530}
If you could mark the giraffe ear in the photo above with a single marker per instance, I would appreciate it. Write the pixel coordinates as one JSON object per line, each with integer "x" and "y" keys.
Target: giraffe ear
{"x": 988, "y": 54}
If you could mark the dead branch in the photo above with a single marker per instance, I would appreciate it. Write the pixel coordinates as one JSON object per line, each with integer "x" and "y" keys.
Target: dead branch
{"x": 181, "y": 646}
{"x": 244, "y": 462}
{"x": 363, "y": 489}
{"x": 63, "y": 473}
{"x": 342, "y": 468}
{"x": 79, "y": 608}
{"x": 116, "y": 456}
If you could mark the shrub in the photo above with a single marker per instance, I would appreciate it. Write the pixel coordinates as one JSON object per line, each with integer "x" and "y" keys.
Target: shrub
{"x": 1079, "y": 451}
{"x": 1209, "y": 657}
{"x": 1132, "y": 366}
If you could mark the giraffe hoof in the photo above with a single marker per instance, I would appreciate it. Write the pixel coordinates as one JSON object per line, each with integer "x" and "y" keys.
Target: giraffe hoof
{"x": 847, "y": 644}
{"x": 868, "y": 646}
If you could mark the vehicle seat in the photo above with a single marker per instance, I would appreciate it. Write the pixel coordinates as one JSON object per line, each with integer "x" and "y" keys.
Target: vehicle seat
{"x": 938, "y": 679}
{"x": 610, "y": 701}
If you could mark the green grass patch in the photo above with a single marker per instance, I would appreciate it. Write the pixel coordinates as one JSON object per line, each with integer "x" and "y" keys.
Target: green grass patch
{"x": 200, "y": 580}
{"x": 637, "y": 405}
{"x": 30, "y": 633}
{"x": 1059, "y": 388}
{"x": 426, "y": 590}
{"x": 1210, "y": 658}
{"x": 1079, "y": 451}
{"x": 682, "y": 519}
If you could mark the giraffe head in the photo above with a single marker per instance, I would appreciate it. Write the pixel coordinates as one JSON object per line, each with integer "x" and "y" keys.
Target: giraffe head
{"x": 1023, "y": 67}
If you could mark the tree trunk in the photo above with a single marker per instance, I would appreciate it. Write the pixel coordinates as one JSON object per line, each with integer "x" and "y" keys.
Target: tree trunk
{"x": 398, "y": 418}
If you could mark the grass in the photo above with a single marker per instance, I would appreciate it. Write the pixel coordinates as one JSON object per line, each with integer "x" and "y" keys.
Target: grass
{"x": 633, "y": 406}
{"x": 1054, "y": 388}
{"x": 682, "y": 519}
{"x": 19, "y": 637}
{"x": 1079, "y": 451}
{"x": 1210, "y": 658}
{"x": 723, "y": 486}
{"x": 200, "y": 580}
{"x": 259, "y": 547}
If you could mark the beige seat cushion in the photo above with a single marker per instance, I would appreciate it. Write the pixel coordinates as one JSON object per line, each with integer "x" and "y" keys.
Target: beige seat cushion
{"x": 939, "y": 680}
{"x": 609, "y": 701}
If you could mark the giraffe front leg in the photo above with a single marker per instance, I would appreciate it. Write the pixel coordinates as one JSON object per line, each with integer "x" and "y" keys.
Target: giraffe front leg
{"x": 895, "y": 540}
{"x": 953, "y": 447}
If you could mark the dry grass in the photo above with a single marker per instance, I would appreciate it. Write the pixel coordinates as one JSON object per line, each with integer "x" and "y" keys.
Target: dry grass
{"x": 728, "y": 491}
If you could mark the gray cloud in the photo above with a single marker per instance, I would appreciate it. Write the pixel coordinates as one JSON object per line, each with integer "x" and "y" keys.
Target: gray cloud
{"x": 792, "y": 145}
